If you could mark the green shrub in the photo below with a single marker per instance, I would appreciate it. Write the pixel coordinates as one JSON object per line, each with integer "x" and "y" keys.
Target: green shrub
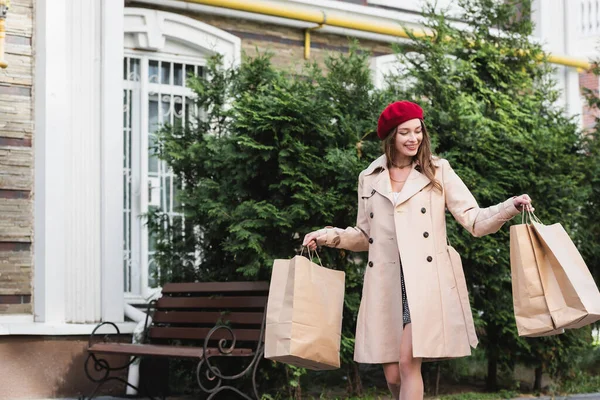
{"x": 276, "y": 155}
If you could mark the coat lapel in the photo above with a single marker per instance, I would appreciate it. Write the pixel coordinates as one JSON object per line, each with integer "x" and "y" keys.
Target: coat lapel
{"x": 415, "y": 182}
{"x": 383, "y": 185}
{"x": 381, "y": 181}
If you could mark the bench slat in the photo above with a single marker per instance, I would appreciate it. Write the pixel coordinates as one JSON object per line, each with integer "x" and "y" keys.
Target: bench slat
{"x": 158, "y": 350}
{"x": 207, "y": 302}
{"x": 220, "y": 287}
{"x": 251, "y": 335}
{"x": 208, "y": 317}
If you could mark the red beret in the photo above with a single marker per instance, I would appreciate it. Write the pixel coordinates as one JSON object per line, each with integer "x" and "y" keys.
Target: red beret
{"x": 395, "y": 114}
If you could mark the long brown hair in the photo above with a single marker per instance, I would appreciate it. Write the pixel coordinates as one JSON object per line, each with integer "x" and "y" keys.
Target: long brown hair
{"x": 423, "y": 157}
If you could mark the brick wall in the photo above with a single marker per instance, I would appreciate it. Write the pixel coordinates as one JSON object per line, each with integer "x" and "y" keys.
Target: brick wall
{"x": 16, "y": 162}
{"x": 590, "y": 81}
{"x": 286, "y": 43}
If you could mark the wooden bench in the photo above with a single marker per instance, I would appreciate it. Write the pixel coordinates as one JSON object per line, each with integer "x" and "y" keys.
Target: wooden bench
{"x": 194, "y": 321}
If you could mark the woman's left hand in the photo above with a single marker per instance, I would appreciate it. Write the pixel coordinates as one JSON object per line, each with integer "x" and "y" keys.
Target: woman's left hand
{"x": 523, "y": 202}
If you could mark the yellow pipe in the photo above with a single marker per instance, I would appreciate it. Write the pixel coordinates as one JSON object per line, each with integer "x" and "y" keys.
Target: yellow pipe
{"x": 290, "y": 12}
{"x": 284, "y": 10}
{"x": 307, "y": 39}
{"x": 306, "y": 44}
{"x": 3, "y": 63}
{"x": 570, "y": 62}
{"x": 4, "y": 6}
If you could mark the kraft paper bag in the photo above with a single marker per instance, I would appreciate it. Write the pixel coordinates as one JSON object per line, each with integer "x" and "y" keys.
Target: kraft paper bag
{"x": 304, "y": 314}
{"x": 571, "y": 293}
{"x": 531, "y": 310}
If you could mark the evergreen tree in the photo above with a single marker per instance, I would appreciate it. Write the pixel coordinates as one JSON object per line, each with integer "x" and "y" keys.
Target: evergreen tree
{"x": 273, "y": 157}
{"x": 276, "y": 155}
{"x": 591, "y": 246}
{"x": 489, "y": 98}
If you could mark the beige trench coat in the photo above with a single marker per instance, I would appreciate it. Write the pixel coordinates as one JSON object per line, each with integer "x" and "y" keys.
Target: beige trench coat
{"x": 414, "y": 230}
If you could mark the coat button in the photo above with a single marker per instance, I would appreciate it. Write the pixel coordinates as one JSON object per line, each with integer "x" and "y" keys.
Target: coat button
{"x": 370, "y": 263}
{"x": 371, "y": 240}
{"x": 429, "y": 258}
{"x": 371, "y": 215}
{"x": 423, "y": 210}
{"x": 425, "y": 234}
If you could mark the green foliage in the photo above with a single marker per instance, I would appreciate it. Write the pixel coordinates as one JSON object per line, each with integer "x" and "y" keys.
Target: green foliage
{"x": 489, "y": 102}
{"x": 560, "y": 355}
{"x": 274, "y": 164}
{"x": 590, "y": 243}
{"x": 580, "y": 382}
{"x": 279, "y": 158}
{"x": 590, "y": 246}
{"x": 274, "y": 156}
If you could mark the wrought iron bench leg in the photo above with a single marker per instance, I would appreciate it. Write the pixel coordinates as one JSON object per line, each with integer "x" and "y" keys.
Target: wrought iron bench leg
{"x": 213, "y": 373}
{"x": 102, "y": 366}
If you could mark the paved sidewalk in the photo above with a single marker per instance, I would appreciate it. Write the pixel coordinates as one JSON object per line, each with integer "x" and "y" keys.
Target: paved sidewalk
{"x": 589, "y": 396}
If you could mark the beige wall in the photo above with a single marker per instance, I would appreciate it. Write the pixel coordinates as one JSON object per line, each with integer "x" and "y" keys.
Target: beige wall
{"x": 16, "y": 162}
{"x": 286, "y": 43}
{"x": 38, "y": 367}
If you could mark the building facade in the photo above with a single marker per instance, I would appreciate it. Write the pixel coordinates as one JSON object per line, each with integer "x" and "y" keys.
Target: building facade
{"x": 88, "y": 83}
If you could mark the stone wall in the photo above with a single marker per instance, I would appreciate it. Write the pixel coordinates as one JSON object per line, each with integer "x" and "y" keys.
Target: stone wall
{"x": 16, "y": 162}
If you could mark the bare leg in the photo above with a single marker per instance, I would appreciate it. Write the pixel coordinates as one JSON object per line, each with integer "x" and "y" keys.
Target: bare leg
{"x": 392, "y": 377}
{"x": 410, "y": 369}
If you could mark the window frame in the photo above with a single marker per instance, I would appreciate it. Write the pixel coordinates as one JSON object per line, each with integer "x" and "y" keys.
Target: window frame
{"x": 170, "y": 37}
{"x": 141, "y": 92}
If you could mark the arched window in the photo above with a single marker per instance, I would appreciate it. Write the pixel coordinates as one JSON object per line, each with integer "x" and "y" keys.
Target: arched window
{"x": 161, "y": 49}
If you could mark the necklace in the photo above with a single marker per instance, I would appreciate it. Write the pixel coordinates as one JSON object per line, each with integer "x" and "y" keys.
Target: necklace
{"x": 401, "y": 166}
{"x": 396, "y": 180}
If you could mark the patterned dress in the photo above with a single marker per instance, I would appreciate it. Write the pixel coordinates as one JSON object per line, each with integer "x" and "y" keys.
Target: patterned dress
{"x": 405, "y": 309}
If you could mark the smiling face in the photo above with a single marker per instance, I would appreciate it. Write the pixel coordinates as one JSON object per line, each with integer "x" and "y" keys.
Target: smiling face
{"x": 409, "y": 136}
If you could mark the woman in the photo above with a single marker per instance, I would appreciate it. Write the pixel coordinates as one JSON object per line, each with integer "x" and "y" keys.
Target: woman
{"x": 414, "y": 303}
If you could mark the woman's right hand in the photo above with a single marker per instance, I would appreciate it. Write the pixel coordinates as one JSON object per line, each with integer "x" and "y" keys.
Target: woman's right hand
{"x": 312, "y": 239}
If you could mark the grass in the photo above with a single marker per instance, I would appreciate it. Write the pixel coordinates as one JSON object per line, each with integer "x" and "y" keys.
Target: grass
{"x": 581, "y": 383}
{"x": 377, "y": 394}
{"x": 480, "y": 396}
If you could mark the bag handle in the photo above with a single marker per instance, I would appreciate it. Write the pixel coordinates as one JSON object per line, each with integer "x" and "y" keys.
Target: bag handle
{"x": 310, "y": 256}
{"x": 527, "y": 217}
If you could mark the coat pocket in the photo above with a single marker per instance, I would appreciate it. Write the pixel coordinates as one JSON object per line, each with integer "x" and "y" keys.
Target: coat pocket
{"x": 461, "y": 285}
{"x": 446, "y": 271}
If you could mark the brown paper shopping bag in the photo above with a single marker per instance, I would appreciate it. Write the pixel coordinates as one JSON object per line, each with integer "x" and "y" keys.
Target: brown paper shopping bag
{"x": 531, "y": 310}
{"x": 304, "y": 314}
{"x": 571, "y": 293}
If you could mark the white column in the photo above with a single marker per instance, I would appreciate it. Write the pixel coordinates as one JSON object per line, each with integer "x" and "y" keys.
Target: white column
{"x": 573, "y": 97}
{"x": 82, "y": 219}
{"x": 555, "y": 24}
{"x": 112, "y": 160}
{"x": 51, "y": 103}
{"x": 78, "y": 162}
{"x": 548, "y": 18}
